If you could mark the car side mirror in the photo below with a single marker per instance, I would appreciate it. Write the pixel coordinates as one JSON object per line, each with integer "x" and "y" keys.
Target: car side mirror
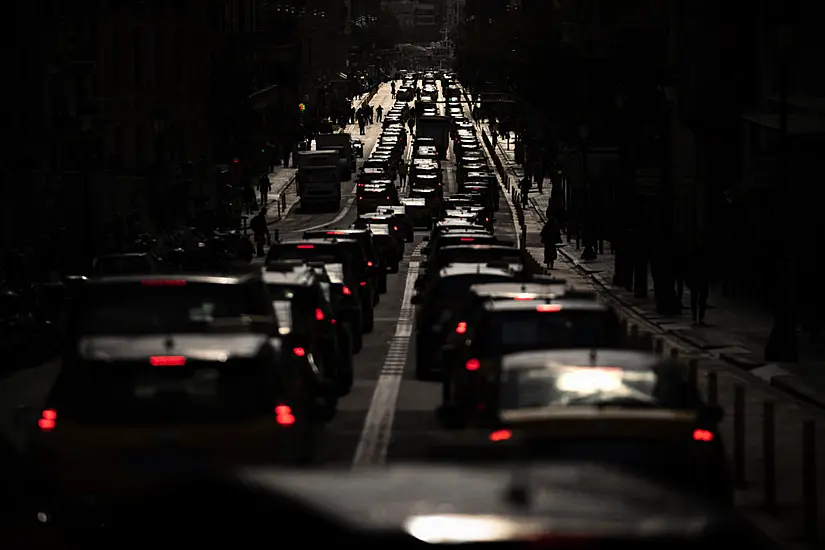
{"x": 450, "y": 417}
{"x": 711, "y": 415}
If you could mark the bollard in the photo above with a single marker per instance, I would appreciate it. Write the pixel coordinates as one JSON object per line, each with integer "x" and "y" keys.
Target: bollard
{"x": 739, "y": 434}
{"x": 659, "y": 346}
{"x": 769, "y": 454}
{"x": 713, "y": 384}
{"x": 674, "y": 353}
{"x": 809, "y": 482}
{"x": 692, "y": 374}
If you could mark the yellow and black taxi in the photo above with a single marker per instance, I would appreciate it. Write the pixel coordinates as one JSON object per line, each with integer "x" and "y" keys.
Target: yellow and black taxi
{"x": 376, "y": 269}
{"x": 436, "y": 304}
{"x": 473, "y": 347}
{"x": 375, "y": 194}
{"x": 402, "y": 220}
{"x": 358, "y": 278}
{"x": 628, "y": 408}
{"x": 170, "y": 373}
{"x": 306, "y": 320}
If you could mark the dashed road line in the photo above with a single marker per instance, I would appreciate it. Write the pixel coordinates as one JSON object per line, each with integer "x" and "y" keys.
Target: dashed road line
{"x": 375, "y": 437}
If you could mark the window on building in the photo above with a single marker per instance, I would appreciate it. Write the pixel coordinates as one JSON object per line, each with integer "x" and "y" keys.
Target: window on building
{"x": 137, "y": 58}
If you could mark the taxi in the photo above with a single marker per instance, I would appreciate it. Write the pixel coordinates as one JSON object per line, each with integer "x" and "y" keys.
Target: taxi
{"x": 471, "y": 356}
{"x": 436, "y": 304}
{"x": 168, "y": 374}
{"x": 633, "y": 410}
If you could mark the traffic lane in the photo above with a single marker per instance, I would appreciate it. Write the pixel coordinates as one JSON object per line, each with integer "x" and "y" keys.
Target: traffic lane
{"x": 415, "y": 428}
{"x": 343, "y": 433}
{"x": 297, "y": 220}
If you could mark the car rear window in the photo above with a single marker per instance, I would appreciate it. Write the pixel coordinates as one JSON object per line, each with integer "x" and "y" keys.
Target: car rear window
{"x": 476, "y": 255}
{"x": 194, "y": 308}
{"x": 505, "y": 332}
{"x": 457, "y": 287}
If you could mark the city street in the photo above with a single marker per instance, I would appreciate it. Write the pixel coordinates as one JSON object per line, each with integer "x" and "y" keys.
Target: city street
{"x": 389, "y": 414}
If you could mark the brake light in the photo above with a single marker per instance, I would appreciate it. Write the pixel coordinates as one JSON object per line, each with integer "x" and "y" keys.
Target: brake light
{"x": 305, "y": 246}
{"x": 501, "y": 435}
{"x": 163, "y": 282}
{"x": 167, "y": 360}
{"x": 523, "y": 297}
{"x": 47, "y": 420}
{"x": 369, "y": 264}
{"x": 395, "y": 228}
{"x": 299, "y": 352}
{"x": 363, "y": 283}
{"x": 319, "y": 315}
{"x": 467, "y": 239}
{"x": 332, "y": 321}
{"x": 346, "y": 291}
{"x": 335, "y": 233}
{"x": 472, "y": 364}
{"x": 548, "y": 308}
{"x": 461, "y": 327}
{"x": 702, "y": 435}
{"x": 388, "y": 197}
{"x": 284, "y": 416}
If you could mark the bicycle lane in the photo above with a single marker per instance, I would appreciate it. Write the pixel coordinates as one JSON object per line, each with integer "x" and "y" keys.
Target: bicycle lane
{"x": 763, "y": 425}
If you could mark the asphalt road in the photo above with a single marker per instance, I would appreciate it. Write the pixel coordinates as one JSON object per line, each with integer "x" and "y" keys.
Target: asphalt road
{"x": 389, "y": 414}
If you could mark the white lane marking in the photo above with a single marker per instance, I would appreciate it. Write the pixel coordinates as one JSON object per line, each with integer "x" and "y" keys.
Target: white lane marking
{"x": 375, "y": 437}
{"x": 341, "y": 215}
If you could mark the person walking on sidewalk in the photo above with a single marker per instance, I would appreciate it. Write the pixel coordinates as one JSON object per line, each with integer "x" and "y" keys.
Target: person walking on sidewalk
{"x": 392, "y": 89}
{"x": 698, "y": 281}
{"x": 264, "y": 186}
{"x": 550, "y": 237}
{"x": 258, "y": 226}
{"x": 379, "y": 113}
{"x": 524, "y": 186}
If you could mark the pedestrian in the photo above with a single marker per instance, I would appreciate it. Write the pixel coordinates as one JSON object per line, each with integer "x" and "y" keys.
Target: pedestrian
{"x": 371, "y": 113}
{"x": 392, "y": 89}
{"x": 248, "y": 198}
{"x": 264, "y": 186}
{"x": 494, "y": 135}
{"x": 550, "y": 237}
{"x": 379, "y": 112}
{"x": 362, "y": 122}
{"x": 402, "y": 173}
{"x": 698, "y": 280}
{"x": 411, "y": 124}
{"x": 258, "y": 226}
{"x": 352, "y": 115}
{"x": 524, "y": 185}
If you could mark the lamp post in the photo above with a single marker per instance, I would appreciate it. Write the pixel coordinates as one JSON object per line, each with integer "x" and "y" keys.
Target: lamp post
{"x": 589, "y": 252}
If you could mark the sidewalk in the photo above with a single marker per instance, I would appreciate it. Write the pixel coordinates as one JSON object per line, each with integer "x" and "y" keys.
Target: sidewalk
{"x": 717, "y": 350}
{"x": 737, "y": 332}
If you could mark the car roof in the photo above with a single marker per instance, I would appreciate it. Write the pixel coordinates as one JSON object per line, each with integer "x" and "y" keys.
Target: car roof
{"x": 521, "y": 305}
{"x": 491, "y": 247}
{"x": 623, "y": 359}
{"x": 470, "y": 269}
{"x": 159, "y": 278}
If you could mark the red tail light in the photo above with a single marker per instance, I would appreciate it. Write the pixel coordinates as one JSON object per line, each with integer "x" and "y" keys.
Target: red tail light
{"x": 304, "y": 246}
{"x": 335, "y": 233}
{"x": 523, "y": 297}
{"x": 472, "y": 364}
{"x": 163, "y": 282}
{"x": 388, "y": 197}
{"x": 319, "y": 315}
{"x": 363, "y": 283}
{"x": 167, "y": 360}
{"x": 284, "y": 416}
{"x": 467, "y": 239}
{"x": 501, "y": 435}
{"x": 461, "y": 327}
{"x": 548, "y": 308}
{"x": 299, "y": 352}
{"x": 369, "y": 264}
{"x": 346, "y": 291}
{"x": 332, "y": 321}
{"x": 702, "y": 435}
{"x": 47, "y": 420}
{"x": 395, "y": 228}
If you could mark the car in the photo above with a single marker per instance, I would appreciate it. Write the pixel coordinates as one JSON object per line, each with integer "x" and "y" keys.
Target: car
{"x": 625, "y": 408}
{"x": 306, "y": 320}
{"x": 165, "y": 373}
